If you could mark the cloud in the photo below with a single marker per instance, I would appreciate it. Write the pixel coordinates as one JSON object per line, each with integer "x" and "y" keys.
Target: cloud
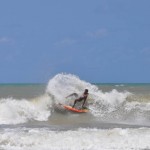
{"x": 98, "y": 33}
{"x": 5, "y": 40}
{"x": 65, "y": 42}
{"x": 145, "y": 50}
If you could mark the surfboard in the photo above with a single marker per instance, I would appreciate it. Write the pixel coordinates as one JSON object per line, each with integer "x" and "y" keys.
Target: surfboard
{"x": 75, "y": 109}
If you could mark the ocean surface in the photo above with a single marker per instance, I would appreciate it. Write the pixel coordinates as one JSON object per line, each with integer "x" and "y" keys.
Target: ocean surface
{"x": 32, "y": 119}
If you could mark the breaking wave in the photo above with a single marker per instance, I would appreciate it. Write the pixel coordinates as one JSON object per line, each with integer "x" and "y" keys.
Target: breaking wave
{"x": 106, "y": 106}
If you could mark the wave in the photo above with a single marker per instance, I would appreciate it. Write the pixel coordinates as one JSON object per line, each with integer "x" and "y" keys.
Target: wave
{"x": 13, "y": 111}
{"x": 37, "y": 138}
{"x": 104, "y": 106}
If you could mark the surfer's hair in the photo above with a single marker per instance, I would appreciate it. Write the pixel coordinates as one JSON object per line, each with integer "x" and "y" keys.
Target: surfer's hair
{"x": 86, "y": 90}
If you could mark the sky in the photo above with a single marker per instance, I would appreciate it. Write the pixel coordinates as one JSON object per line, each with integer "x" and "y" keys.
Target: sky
{"x": 100, "y": 41}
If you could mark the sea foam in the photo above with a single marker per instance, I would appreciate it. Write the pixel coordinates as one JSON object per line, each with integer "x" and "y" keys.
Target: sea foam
{"x": 90, "y": 139}
{"x": 13, "y": 111}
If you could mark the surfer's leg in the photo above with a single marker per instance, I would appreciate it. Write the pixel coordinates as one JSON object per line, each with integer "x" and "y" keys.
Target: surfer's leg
{"x": 77, "y": 100}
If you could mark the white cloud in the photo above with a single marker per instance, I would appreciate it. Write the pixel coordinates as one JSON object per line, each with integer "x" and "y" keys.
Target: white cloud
{"x": 65, "y": 42}
{"x": 5, "y": 40}
{"x": 99, "y": 33}
{"x": 146, "y": 50}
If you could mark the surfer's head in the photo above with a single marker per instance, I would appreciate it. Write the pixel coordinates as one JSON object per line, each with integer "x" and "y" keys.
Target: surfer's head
{"x": 86, "y": 91}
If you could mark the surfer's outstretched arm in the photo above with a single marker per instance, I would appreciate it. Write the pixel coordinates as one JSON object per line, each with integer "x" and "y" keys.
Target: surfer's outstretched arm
{"x": 73, "y": 94}
{"x": 51, "y": 95}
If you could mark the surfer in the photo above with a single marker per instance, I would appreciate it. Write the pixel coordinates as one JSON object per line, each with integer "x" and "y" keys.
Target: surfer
{"x": 83, "y": 97}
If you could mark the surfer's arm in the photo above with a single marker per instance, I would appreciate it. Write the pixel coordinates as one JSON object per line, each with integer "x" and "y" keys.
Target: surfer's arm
{"x": 73, "y": 94}
{"x": 51, "y": 95}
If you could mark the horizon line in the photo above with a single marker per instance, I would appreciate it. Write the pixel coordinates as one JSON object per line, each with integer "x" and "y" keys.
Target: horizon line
{"x": 89, "y": 82}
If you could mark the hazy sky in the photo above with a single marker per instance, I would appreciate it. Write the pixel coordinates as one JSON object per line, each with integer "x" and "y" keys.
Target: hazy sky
{"x": 97, "y": 40}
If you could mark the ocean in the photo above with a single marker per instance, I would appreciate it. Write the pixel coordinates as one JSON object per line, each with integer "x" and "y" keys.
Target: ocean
{"x": 32, "y": 119}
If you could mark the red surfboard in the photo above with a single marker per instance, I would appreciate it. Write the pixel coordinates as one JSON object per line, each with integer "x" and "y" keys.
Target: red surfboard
{"x": 75, "y": 110}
